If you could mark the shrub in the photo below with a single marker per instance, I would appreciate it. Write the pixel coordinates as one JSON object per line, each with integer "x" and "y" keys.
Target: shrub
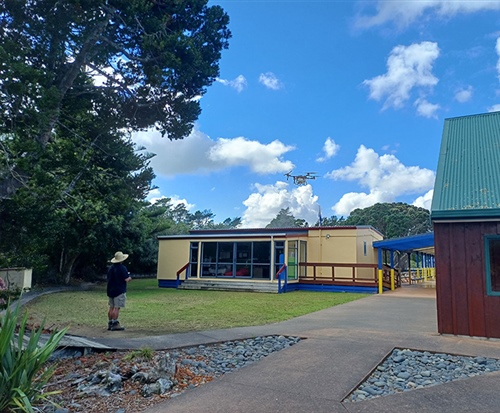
{"x": 23, "y": 363}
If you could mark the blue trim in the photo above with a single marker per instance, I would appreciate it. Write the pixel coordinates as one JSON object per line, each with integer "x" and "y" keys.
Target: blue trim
{"x": 168, "y": 283}
{"x": 289, "y": 287}
{"x": 489, "y": 288}
{"x": 333, "y": 288}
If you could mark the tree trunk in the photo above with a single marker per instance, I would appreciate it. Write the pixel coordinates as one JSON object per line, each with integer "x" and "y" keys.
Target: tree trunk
{"x": 69, "y": 266}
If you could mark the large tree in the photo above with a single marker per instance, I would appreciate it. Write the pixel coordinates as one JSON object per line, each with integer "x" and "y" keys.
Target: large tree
{"x": 393, "y": 219}
{"x": 285, "y": 219}
{"x": 143, "y": 63}
{"x": 76, "y": 78}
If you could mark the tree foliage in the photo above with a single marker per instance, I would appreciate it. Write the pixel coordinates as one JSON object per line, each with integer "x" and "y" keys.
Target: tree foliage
{"x": 154, "y": 58}
{"x": 285, "y": 219}
{"x": 76, "y": 78}
{"x": 333, "y": 221}
{"x": 393, "y": 219}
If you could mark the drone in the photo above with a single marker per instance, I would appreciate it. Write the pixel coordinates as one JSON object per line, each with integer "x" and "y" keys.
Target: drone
{"x": 301, "y": 179}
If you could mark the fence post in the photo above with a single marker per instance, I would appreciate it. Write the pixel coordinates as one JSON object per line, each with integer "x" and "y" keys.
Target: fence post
{"x": 380, "y": 272}
{"x": 392, "y": 271}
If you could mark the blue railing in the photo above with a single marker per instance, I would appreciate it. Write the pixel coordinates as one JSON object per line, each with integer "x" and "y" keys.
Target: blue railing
{"x": 282, "y": 274}
{"x": 178, "y": 281}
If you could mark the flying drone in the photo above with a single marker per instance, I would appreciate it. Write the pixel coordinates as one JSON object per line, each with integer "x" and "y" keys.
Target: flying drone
{"x": 301, "y": 179}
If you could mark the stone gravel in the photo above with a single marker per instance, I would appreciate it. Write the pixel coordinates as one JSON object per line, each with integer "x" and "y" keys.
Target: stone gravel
{"x": 218, "y": 359}
{"x": 406, "y": 370}
{"x": 126, "y": 382}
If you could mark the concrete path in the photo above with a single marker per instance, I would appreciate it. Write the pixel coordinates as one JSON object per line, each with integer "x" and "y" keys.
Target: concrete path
{"x": 341, "y": 346}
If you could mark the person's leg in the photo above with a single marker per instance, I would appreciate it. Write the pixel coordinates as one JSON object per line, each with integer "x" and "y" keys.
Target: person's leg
{"x": 112, "y": 312}
{"x": 118, "y": 302}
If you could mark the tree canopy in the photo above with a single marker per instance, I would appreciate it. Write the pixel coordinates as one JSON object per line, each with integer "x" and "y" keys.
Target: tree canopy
{"x": 76, "y": 78}
{"x": 141, "y": 63}
{"x": 285, "y": 219}
{"x": 393, "y": 220}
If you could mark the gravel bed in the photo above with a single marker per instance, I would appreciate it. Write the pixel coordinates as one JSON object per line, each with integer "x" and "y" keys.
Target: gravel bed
{"x": 218, "y": 359}
{"x": 406, "y": 370}
{"x": 129, "y": 382}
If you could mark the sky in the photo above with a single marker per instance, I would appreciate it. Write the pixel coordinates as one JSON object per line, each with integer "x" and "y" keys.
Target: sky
{"x": 354, "y": 91}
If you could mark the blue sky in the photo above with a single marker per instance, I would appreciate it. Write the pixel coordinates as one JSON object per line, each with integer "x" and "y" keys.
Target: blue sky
{"x": 354, "y": 91}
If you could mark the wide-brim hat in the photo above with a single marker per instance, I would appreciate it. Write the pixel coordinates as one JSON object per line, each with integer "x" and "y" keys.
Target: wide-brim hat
{"x": 119, "y": 257}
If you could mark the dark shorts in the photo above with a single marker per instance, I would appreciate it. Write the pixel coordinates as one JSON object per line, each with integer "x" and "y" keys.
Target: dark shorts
{"x": 117, "y": 302}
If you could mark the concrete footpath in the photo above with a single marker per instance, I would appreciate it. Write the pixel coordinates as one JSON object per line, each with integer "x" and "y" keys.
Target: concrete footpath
{"x": 341, "y": 346}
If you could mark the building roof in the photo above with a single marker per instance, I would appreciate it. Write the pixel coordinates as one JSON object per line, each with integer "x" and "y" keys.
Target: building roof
{"x": 468, "y": 173}
{"x": 259, "y": 232}
{"x": 421, "y": 242}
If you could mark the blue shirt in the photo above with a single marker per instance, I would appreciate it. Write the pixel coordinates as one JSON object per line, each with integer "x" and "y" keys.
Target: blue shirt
{"x": 117, "y": 274}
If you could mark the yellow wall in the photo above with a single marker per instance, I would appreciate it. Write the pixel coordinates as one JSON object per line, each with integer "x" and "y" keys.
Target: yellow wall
{"x": 369, "y": 236}
{"x": 173, "y": 254}
{"x": 332, "y": 246}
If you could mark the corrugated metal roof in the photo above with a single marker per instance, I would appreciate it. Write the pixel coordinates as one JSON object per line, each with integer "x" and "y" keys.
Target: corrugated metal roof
{"x": 468, "y": 173}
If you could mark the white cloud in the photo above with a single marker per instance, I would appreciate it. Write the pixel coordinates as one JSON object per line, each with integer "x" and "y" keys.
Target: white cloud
{"x": 424, "y": 201}
{"x": 494, "y": 108}
{"x": 199, "y": 154}
{"x": 330, "y": 149}
{"x": 155, "y": 195}
{"x": 354, "y": 200}
{"x": 464, "y": 95}
{"x": 408, "y": 67}
{"x": 426, "y": 109}
{"x": 262, "y": 159}
{"x": 403, "y": 13}
{"x": 270, "y": 81}
{"x": 384, "y": 176}
{"x": 238, "y": 84}
{"x": 264, "y": 204}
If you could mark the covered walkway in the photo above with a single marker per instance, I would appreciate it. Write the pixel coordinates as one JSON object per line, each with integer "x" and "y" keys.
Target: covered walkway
{"x": 420, "y": 248}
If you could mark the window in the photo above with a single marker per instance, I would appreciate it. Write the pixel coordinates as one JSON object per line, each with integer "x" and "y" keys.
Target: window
{"x": 236, "y": 259}
{"x": 303, "y": 257}
{"x": 492, "y": 249}
{"x": 193, "y": 259}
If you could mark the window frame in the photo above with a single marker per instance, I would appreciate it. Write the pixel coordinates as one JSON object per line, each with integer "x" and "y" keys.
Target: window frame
{"x": 487, "y": 266}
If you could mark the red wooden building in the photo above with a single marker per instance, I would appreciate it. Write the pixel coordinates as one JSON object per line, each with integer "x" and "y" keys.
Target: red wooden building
{"x": 466, "y": 216}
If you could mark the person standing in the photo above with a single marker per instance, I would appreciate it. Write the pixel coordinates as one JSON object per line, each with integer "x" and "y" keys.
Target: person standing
{"x": 118, "y": 277}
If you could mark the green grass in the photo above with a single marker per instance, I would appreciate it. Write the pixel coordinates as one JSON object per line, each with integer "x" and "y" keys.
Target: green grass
{"x": 165, "y": 310}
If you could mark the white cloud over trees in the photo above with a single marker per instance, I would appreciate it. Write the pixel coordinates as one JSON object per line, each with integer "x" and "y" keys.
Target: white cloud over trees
{"x": 264, "y": 204}
{"x": 385, "y": 177}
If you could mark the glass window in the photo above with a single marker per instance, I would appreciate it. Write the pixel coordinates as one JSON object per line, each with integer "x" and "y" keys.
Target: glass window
{"x": 303, "y": 257}
{"x": 492, "y": 247}
{"x": 193, "y": 260}
{"x": 236, "y": 259}
{"x": 293, "y": 248}
{"x": 243, "y": 252}
{"x": 262, "y": 252}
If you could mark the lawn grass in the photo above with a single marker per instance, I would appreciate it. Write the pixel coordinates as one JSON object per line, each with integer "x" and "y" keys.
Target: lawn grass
{"x": 166, "y": 311}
